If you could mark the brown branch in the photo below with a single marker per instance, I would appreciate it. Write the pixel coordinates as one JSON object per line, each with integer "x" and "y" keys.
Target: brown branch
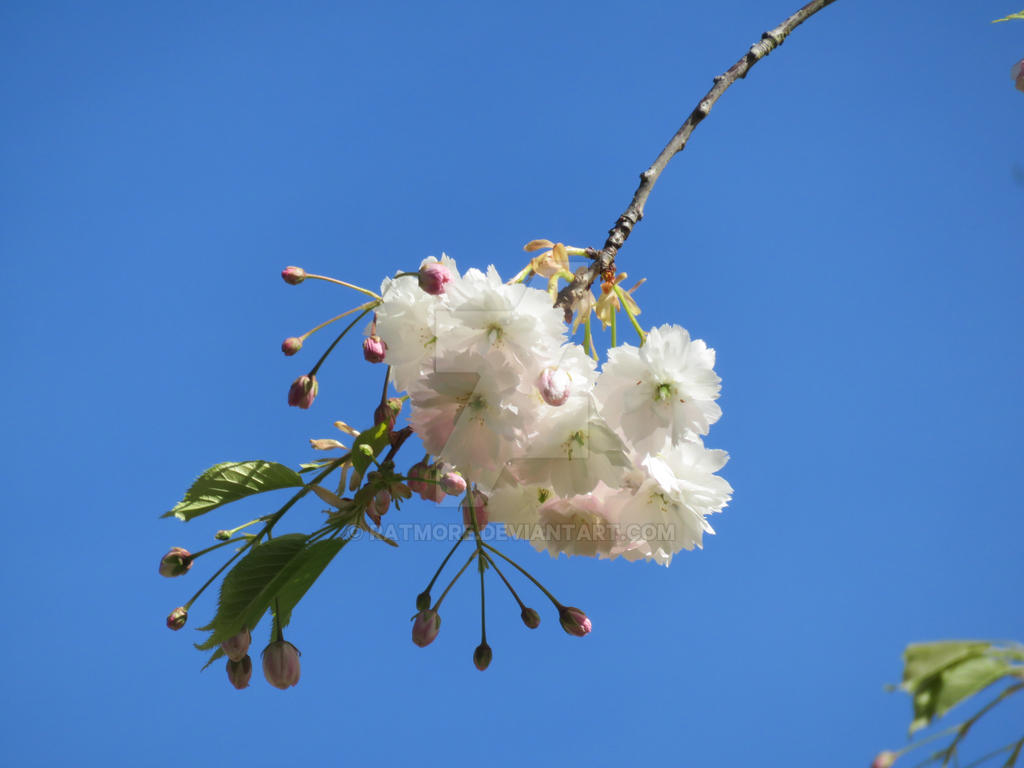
{"x": 605, "y": 258}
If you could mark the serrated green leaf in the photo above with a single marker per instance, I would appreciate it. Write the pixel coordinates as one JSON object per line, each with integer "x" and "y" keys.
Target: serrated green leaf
{"x": 218, "y": 654}
{"x": 230, "y": 481}
{"x": 1019, "y": 15}
{"x": 280, "y": 570}
{"x": 249, "y": 587}
{"x": 941, "y": 675}
{"x": 311, "y": 563}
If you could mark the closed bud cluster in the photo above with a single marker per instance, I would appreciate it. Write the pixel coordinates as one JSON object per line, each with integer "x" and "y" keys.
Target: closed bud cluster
{"x": 293, "y": 275}
{"x": 482, "y": 656}
{"x": 237, "y": 647}
{"x": 291, "y": 345}
{"x": 177, "y": 618}
{"x": 303, "y": 391}
{"x": 374, "y": 349}
{"x": 425, "y": 627}
{"x": 240, "y": 672}
{"x": 574, "y": 621}
{"x": 281, "y": 664}
{"x": 426, "y": 481}
{"x": 176, "y": 562}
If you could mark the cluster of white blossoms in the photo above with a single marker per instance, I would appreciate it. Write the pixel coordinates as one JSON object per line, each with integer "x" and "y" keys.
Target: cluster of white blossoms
{"x": 574, "y": 460}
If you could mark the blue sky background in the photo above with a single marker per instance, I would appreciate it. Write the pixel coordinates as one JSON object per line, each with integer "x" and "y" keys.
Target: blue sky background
{"x": 844, "y": 229}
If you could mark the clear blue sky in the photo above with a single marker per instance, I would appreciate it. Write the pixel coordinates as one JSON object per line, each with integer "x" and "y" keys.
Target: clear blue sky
{"x": 844, "y": 229}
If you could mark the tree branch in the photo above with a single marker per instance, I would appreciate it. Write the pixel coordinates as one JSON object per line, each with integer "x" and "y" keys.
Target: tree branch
{"x": 605, "y": 258}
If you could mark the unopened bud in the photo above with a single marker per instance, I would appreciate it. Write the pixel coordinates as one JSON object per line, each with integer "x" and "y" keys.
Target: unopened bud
{"x": 291, "y": 345}
{"x": 303, "y": 391}
{"x": 177, "y": 618}
{"x": 379, "y": 505}
{"x": 434, "y": 277}
{"x": 884, "y": 759}
{"x": 222, "y": 535}
{"x": 281, "y": 664}
{"x": 293, "y": 275}
{"x": 574, "y": 621}
{"x": 387, "y": 412}
{"x": 374, "y": 349}
{"x": 554, "y": 386}
{"x": 422, "y": 601}
{"x": 240, "y": 672}
{"x": 237, "y": 646}
{"x": 425, "y": 627}
{"x": 1017, "y": 73}
{"x": 453, "y": 484}
{"x": 482, "y": 656}
{"x": 176, "y": 562}
{"x": 475, "y": 501}
{"x": 530, "y": 618}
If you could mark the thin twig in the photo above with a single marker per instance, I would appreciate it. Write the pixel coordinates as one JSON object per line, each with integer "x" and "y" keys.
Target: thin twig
{"x": 605, "y": 258}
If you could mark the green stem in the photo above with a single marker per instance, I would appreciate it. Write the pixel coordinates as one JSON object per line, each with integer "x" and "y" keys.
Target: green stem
{"x": 302, "y": 492}
{"x": 629, "y": 313}
{"x": 615, "y": 342}
{"x": 342, "y": 282}
{"x": 325, "y": 323}
{"x": 444, "y": 562}
{"x": 494, "y": 565}
{"x": 483, "y": 614}
{"x": 218, "y": 545}
{"x": 369, "y": 305}
{"x": 588, "y": 340}
{"x": 451, "y": 584}
{"x": 525, "y": 573}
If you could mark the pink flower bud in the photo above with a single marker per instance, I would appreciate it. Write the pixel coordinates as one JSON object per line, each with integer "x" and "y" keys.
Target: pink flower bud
{"x": 281, "y": 664}
{"x": 237, "y": 647}
{"x": 379, "y": 505}
{"x": 374, "y": 349}
{"x": 426, "y": 481}
{"x": 433, "y": 277}
{"x": 453, "y": 484}
{"x": 303, "y": 391}
{"x": 177, "y": 618}
{"x": 293, "y": 275}
{"x": 425, "y": 627}
{"x": 1017, "y": 73}
{"x": 176, "y": 562}
{"x": 482, "y": 656}
{"x": 240, "y": 672}
{"x": 884, "y": 759}
{"x": 574, "y": 621}
{"x": 530, "y": 618}
{"x": 477, "y": 501}
{"x": 554, "y": 386}
{"x": 387, "y": 412}
{"x": 291, "y": 345}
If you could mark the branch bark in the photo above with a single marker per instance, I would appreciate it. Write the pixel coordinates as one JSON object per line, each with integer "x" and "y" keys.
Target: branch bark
{"x": 605, "y": 258}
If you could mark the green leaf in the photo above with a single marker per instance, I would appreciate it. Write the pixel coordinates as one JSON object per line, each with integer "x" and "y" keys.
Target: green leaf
{"x": 1019, "y": 15}
{"x": 941, "y": 675}
{"x": 283, "y": 568}
{"x": 230, "y": 481}
{"x": 310, "y": 564}
{"x": 376, "y": 439}
{"x": 249, "y": 587}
